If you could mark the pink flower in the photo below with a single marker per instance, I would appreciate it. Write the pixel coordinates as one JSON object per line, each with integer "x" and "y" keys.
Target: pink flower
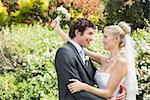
{"x": 26, "y": 22}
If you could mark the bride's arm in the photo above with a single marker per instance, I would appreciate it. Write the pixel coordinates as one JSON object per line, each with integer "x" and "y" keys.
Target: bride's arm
{"x": 58, "y": 30}
{"x": 62, "y": 34}
{"x": 97, "y": 57}
{"x": 115, "y": 79}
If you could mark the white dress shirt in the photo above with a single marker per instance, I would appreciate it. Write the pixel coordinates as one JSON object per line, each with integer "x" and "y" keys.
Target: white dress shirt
{"x": 79, "y": 49}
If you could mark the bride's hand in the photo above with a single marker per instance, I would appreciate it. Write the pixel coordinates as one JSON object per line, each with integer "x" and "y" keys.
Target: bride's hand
{"x": 76, "y": 86}
{"x": 56, "y": 22}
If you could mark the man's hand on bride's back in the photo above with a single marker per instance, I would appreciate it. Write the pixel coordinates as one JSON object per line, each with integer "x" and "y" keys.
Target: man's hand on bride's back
{"x": 121, "y": 96}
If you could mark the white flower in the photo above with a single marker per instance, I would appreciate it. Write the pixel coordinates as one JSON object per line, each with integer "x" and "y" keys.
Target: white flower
{"x": 47, "y": 53}
{"x": 24, "y": 64}
{"x": 33, "y": 79}
{"x": 87, "y": 58}
{"x": 68, "y": 16}
{"x": 146, "y": 96}
{"x": 148, "y": 71}
{"x": 144, "y": 68}
{"x": 64, "y": 11}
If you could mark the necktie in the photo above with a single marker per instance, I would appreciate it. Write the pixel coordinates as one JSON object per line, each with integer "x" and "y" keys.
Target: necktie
{"x": 82, "y": 55}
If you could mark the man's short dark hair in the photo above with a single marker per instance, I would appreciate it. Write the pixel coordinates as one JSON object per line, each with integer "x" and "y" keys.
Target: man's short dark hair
{"x": 80, "y": 24}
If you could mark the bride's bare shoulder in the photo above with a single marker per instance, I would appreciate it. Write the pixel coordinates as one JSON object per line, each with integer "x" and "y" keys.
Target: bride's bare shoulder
{"x": 122, "y": 65}
{"x": 121, "y": 60}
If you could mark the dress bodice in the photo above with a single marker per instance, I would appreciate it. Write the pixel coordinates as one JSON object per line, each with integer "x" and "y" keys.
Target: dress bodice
{"x": 102, "y": 78}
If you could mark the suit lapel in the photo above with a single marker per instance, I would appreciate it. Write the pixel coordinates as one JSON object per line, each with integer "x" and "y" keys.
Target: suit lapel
{"x": 85, "y": 66}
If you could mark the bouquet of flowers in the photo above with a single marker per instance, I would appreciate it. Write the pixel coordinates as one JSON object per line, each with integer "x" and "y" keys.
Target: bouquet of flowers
{"x": 63, "y": 14}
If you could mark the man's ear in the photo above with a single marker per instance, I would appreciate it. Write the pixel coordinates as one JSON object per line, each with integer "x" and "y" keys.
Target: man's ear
{"x": 77, "y": 33}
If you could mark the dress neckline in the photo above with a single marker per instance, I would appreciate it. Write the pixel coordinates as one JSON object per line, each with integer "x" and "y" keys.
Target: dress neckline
{"x": 103, "y": 73}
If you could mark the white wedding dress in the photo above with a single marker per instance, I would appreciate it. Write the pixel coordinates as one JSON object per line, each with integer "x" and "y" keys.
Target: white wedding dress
{"x": 102, "y": 78}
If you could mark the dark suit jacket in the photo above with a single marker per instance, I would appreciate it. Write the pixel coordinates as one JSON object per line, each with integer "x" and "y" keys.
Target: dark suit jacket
{"x": 69, "y": 65}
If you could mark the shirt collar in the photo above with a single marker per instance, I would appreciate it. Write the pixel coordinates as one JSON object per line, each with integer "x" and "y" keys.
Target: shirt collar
{"x": 77, "y": 46}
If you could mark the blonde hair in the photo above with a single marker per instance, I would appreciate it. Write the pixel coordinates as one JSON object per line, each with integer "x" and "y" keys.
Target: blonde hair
{"x": 119, "y": 30}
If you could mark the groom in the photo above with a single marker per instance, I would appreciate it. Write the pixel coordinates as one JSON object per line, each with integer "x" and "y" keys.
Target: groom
{"x": 70, "y": 62}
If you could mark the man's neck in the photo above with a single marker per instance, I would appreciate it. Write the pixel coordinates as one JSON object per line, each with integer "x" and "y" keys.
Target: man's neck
{"x": 75, "y": 40}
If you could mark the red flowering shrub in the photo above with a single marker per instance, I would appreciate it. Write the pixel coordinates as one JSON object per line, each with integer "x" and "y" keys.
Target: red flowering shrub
{"x": 86, "y": 7}
{"x": 44, "y": 11}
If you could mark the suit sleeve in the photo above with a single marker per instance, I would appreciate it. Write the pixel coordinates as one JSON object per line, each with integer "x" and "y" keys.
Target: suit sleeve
{"x": 66, "y": 66}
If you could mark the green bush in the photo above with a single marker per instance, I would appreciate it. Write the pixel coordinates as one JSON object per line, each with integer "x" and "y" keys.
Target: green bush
{"x": 8, "y": 89}
{"x": 142, "y": 40}
{"x": 131, "y": 12}
{"x": 28, "y": 52}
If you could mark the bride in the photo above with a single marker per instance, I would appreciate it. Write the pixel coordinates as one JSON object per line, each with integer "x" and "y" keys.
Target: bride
{"x": 116, "y": 69}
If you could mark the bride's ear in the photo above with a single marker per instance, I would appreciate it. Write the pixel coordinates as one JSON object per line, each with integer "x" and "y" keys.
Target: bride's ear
{"x": 117, "y": 38}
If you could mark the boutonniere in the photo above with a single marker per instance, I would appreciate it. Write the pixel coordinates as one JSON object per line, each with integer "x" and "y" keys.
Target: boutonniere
{"x": 87, "y": 58}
